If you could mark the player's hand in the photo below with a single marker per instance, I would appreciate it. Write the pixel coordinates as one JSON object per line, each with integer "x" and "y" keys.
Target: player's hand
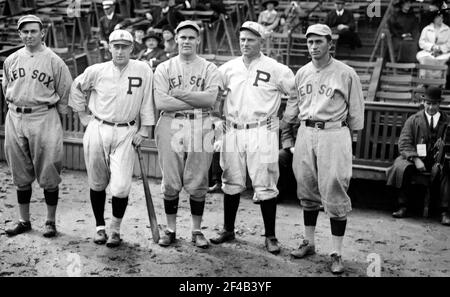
{"x": 218, "y": 145}
{"x": 419, "y": 164}
{"x": 138, "y": 139}
{"x": 84, "y": 117}
{"x": 273, "y": 125}
{"x": 341, "y": 27}
{"x": 292, "y": 150}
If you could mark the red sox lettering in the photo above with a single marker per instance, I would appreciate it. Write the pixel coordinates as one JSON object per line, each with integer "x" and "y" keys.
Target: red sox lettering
{"x": 195, "y": 80}
{"x": 43, "y": 77}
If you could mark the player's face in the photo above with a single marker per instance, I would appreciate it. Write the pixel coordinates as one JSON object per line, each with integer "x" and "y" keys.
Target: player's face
{"x": 187, "y": 40}
{"x": 151, "y": 43}
{"x": 318, "y": 46}
{"x": 31, "y": 35}
{"x": 250, "y": 44}
{"x": 431, "y": 108}
{"x": 120, "y": 53}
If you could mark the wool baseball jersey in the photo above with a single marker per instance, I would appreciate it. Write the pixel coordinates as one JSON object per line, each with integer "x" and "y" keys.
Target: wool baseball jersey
{"x": 32, "y": 79}
{"x": 331, "y": 93}
{"x": 116, "y": 95}
{"x": 198, "y": 75}
{"x": 254, "y": 93}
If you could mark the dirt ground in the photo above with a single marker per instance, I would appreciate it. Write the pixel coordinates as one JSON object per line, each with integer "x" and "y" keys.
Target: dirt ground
{"x": 409, "y": 247}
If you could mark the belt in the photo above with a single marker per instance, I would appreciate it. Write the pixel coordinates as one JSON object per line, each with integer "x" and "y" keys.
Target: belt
{"x": 249, "y": 125}
{"x": 115, "y": 124}
{"x": 323, "y": 125}
{"x": 185, "y": 115}
{"x": 28, "y": 109}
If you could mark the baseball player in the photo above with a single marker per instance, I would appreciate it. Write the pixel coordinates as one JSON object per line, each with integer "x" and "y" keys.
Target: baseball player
{"x": 255, "y": 84}
{"x": 120, "y": 94}
{"x": 185, "y": 89}
{"x": 36, "y": 87}
{"x": 330, "y": 105}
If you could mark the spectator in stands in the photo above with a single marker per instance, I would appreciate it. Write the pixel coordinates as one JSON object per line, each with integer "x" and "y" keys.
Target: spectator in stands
{"x": 404, "y": 28}
{"x": 153, "y": 54}
{"x": 205, "y": 5}
{"x": 421, "y": 146}
{"x": 109, "y": 22}
{"x": 165, "y": 15}
{"x": 127, "y": 7}
{"x": 138, "y": 43}
{"x": 434, "y": 43}
{"x": 170, "y": 46}
{"x": 291, "y": 20}
{"x": 269, "y": 18}
{"x": 342, "y": 22}
{"x": 427, "y": 17}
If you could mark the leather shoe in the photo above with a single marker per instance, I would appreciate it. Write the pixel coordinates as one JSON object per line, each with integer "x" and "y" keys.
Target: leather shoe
{"x": 114, "y": 240}
{"x": 304, "y": 250}
{"x": 272, "y": 245}
{"x": 21, "y": 227}
{"x": 50, "y": 229}
{"x": 167, "y": 239}
{"x": 199, "y": 239}
{"x": 100, "y": 237}
{"x": 337, "y": 267}
{"x": 223, "y": 236}
{"x": 445, "y": 220}
{"x": 401, "y": 213}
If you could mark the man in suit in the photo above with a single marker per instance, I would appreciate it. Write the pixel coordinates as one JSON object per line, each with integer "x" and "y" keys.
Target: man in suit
{"x": 421, "y": 145}
{"x": 166, "y": 15}
{"x": 108, "y": 22}
{"x": 341, "y": 21}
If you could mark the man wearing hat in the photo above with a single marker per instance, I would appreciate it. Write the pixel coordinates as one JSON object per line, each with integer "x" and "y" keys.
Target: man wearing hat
{"x": 421, "y": 140}
{"x": 120, "y": 94}
{"x": 330, "y": 105}
{"x": 185, "y": 90}
{"x": 166, "y": 15}
{"x": 36, "y": 86}
{"x": 269, "y": 18}
{"x": 153, "y": 54}
{"x": 109, "y": 21}
{"x": 343, "y": 23}
{"x": 255, "y": 85}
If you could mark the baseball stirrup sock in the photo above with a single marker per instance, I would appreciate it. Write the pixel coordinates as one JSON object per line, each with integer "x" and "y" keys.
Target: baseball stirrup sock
{"x": 269, "y": 211}
{"x": 310, "y": 217}
{"x": 230, "y": 206}
{"x": 51, "y": 198}
{"x": 197, "y": 207}
{"x": 98, "y": 206}
{"x": 24, "y": 197}
{"x": 171, "y": 206}
{"x": 338, "y": 227}
{"x": 119, "y": 205}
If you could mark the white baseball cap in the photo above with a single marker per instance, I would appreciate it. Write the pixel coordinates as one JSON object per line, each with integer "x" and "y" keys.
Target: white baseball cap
{"x": 107, "y": 3}
{"x": 253, "y": 27}
{"x": 318, "y": 29}
{"x": 188, "y": 24}
{"x": 120, "y": 36}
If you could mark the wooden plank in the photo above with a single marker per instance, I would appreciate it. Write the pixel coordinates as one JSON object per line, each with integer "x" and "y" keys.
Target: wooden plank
{"x": 375, "y": 138}
{"x": 384, "y": 141}
{"x": 368, "y": 134}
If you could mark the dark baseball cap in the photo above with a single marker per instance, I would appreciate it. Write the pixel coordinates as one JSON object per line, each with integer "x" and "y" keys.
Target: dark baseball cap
{"x": 30, "y": 18}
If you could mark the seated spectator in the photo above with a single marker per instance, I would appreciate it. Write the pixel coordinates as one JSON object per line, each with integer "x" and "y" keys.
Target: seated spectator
{"x": 170, "y": 46}
{"x": 153, "y": 53}
{"x": 404, "y": 27}
{"x": 205, "y": 5}
{"x": 138, "y": 43}
{"x": 292, "y": 18}
{"x": 269, "y": 18}
{"x": 427, "y": 17}
{"x": 109, "y": 22}
{"x": 342, "y": 22}
{"x": 421, "y": 146}
{"x": 165, "y": 15}
{"x": 434, "y": 43}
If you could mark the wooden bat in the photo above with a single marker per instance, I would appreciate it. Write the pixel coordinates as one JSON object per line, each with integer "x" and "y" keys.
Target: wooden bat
{"x": 148, "y": 198}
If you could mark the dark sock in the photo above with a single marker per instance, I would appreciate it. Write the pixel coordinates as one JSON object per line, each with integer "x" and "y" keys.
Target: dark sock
{"x": 51, "y": 198}
{"x": 24, "y": 197}
{"x": 338, "y": 227}
{"x": 230, "y": 205}
{"x": 197, "y": 207}
{"x": 269, "y": 211}
{"x": 119, "y": 205}
{"x": 98, "y": 206}
{"x": 171, "y": 206}
{"x": 310, "y": 217}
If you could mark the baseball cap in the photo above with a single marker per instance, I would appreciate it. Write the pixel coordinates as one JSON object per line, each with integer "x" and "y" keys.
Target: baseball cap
{"x": 187, "y": 24}
{"x": 318, "y": 29}
{"x": 253, "y": 27}
{"x": 120, "y": 36}
{"x": 28, "y": 19}
{"x": 107, "y": 3}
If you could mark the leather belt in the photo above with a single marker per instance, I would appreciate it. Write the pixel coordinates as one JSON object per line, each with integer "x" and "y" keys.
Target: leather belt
{"x": 248, "y": 125}
{"x": 115, "y": 124}
{"x": 185, "y": 115}
{"x": 323, "y": 125}
{"x": 29, "y": 109}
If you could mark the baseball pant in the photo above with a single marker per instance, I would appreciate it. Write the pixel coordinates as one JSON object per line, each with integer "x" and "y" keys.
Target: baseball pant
{"x": 185, "y": 150}
{"x": 34, "y": 147}
{"x": 255, "y": 150}
{"x": 109, "y": 157}
{"x": 323, "y": 168}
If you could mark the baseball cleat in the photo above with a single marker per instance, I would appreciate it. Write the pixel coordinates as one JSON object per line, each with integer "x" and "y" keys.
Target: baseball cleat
{"x": 199, "y": 240}
{"x": 167, "y": 239}
{"x": 223, "y": 236}
{"x": 50, "y": 229}
{"x": 21, "y": 227}
{"x": 114, "y": 240}
{"x": 337, "y": 267}
{"x": 304, "y": 250}
{"x": 272, "y": 245}
{"x": 100, "y": 237}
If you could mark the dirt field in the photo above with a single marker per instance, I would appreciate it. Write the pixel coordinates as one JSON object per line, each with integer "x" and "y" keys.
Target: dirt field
{"x": 409, "y": 247}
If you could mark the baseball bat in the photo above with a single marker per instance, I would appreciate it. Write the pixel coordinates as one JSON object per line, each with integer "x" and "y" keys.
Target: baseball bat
{"x": 148, "y": 198}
